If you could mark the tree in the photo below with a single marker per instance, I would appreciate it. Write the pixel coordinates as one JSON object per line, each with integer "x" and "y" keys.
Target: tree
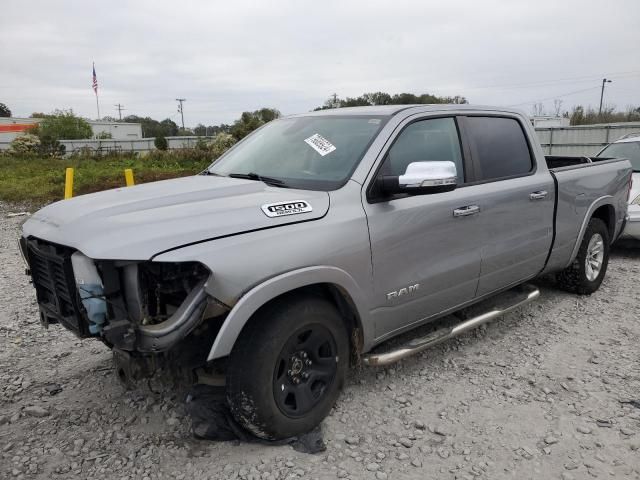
{"x": 200, "y": 130}
{"x": 4, "y": 110}
{"x": 161, "y": 143}
{"x": 382, "y": 98}
{"x": 63, "y": 125}
{"x": 184, "y": 132}
{"x": 589, "y": 116}
{"x": 153, "y": 128}
{"x": 249, "y": 121}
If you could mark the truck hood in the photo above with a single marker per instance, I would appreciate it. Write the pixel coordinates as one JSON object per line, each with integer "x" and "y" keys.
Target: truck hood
{"x": 136, "y": 223}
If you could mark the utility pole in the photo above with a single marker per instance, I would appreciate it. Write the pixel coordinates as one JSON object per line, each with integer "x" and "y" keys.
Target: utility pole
{"x": 180, "y": 109}
{"x": 120, "y": 108}
{"x": 604, "y": 80}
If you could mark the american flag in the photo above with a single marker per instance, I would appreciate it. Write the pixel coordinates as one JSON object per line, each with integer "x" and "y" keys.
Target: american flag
{"x": 95, "y": 80}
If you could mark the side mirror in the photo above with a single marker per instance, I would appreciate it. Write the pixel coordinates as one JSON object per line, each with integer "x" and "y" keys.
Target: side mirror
{"x": 421, "y": 178}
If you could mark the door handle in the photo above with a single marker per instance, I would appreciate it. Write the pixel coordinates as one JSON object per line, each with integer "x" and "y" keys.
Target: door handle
{"x": 539, "y": 195}
{"x": 465, "y": 211}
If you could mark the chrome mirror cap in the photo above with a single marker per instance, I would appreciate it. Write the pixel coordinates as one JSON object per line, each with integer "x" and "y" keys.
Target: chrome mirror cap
{"x": 429, "y": 174}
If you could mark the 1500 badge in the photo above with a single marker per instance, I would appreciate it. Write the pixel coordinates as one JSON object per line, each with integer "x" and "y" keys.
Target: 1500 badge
{"x": 286, "y": 208}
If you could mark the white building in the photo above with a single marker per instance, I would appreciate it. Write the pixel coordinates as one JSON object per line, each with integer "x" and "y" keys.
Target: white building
{"x": 547, "y": 121}
{"x": 117, "y": 130}
{"x": 11, "y": 127}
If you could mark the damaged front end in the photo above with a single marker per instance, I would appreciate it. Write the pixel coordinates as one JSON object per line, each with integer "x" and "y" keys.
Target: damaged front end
{"x": 143, "y": 310}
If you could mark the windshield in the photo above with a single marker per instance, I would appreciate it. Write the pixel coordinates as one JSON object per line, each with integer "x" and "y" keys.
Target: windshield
{"x": 629, "y": 150}
{"x": 312, "y": 153}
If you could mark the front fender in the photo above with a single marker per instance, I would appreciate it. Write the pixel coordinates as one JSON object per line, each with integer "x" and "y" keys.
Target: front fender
{"x": 259, "y": 295}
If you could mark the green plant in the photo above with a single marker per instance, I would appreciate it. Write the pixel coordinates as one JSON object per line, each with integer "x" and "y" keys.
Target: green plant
{"x": 220, "y": 144}
{"x": 104, "y": 136}
{"x": 51, "y": 147}
{"x": 24, "y": 144}
{"x": 63, "y": 125}
{"x": 4, "y": 110}
{"x": 202, "y": 144}
{"x": 249, "y": 121}
{"x": 161, "y": 143}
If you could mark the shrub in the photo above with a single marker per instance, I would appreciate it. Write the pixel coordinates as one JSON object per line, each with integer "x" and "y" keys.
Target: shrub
{"x": 202, "y": 144}
{"x": 161, "y": 143}
{"x": 64, "y": 125}
{"x": 220, "y": 144}
{"x": 51, "y": 147}
{"x": 25, "y": 143}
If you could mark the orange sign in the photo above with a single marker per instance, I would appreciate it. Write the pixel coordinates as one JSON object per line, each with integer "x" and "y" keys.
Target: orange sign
{"x": 16, "y": 127}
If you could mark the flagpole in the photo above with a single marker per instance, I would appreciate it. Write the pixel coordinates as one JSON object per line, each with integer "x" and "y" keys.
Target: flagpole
{"x": 95, "y": 89}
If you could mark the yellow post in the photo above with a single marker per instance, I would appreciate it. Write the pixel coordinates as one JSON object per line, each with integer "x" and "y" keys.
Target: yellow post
{"x": 128, "y": 177}
{"x": 68, "y": 183}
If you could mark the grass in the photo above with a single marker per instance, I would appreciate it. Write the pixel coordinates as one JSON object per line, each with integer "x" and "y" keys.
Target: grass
{"x": 29, "y": 179}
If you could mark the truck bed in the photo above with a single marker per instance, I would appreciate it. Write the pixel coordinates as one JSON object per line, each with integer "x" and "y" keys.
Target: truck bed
{"x": 579, "y": 183}
{"x": 555, "y": 162}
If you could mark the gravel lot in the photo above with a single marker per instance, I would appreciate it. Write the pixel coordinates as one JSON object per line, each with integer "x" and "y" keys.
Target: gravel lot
{"x": 550, "y": 391}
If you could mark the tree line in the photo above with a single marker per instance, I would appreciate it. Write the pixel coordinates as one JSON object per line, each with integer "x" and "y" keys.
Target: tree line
{"x": 382, "y": 98}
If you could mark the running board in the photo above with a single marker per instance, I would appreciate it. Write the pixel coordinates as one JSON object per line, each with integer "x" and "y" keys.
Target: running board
{"x": 498, "y": 306}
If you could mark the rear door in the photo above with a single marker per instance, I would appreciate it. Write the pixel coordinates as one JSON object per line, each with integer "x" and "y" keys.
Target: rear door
{"x": 516, "y": 201}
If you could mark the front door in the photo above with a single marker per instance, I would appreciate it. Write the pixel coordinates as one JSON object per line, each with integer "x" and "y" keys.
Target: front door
{"x": 425, "y": 258}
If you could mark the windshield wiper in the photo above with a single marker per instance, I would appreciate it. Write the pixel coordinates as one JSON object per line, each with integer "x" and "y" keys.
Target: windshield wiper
{"x": 261, "y": 178}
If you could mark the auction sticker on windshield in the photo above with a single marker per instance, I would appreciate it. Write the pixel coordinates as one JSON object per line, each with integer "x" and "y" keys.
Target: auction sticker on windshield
{"x": 320, "y": 144}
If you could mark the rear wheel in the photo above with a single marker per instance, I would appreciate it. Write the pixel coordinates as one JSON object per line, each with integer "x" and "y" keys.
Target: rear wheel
{"x": 587, "y": 271}
{"x": 287, "y": 368}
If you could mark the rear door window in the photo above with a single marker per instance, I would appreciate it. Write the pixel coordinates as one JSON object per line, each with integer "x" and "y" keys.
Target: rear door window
{"x": 499, "y": 147}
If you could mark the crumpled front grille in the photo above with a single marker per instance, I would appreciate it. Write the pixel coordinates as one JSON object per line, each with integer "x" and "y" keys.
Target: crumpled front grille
{"x": 52, "y": 275}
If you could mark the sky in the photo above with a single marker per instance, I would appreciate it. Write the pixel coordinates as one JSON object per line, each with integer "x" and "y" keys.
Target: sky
{"x": 230, "y": 57}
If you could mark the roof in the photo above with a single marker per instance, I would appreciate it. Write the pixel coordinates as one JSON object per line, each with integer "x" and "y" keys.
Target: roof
{"x": 390, "y": 110}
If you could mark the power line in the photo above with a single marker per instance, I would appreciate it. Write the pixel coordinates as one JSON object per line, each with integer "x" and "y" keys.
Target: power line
{"x": 120, "y": 108}
{"x": 555, "y": 96}
{"x": 548, "y": 82}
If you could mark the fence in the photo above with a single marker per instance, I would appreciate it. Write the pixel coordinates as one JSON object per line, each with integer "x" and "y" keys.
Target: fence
{"x": 579, "y": 140}
{"x": 583, "y": 139}
{"x": 110, "y": 145}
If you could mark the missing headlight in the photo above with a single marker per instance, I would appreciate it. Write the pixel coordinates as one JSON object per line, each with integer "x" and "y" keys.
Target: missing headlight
{"x": 155, "y": 290}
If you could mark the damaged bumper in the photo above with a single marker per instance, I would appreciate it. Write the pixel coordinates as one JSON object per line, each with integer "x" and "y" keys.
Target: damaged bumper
{"x": 141, "y": 307}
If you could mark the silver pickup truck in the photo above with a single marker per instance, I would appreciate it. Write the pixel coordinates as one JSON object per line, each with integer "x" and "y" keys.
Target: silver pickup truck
{"x": 317, "y": 238}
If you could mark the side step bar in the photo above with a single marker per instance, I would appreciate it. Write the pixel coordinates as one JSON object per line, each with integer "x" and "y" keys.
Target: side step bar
{"x": 496, "y": 307}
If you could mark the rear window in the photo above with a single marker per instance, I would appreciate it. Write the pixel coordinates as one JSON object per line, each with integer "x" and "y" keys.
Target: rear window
{"x": 499, "y": 147}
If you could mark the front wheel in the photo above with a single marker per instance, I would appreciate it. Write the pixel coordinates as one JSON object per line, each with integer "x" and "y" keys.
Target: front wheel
{"x": 287, "y": 368}
{"x": 587, "y": 271}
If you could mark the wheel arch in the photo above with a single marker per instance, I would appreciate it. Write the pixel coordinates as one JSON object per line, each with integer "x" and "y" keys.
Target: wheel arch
{"x": 330, "y": 282}
{"x": 603, "y": 209}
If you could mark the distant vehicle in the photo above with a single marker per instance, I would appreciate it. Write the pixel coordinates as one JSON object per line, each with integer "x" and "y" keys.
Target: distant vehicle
{"x": 629, "y": 147}
{"x": 315, "y": 239}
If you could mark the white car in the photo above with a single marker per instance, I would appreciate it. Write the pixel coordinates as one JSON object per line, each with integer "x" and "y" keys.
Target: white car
{"x": 629, "y": 147}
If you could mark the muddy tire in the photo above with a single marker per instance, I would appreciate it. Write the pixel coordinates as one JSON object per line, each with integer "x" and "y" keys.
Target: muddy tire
{"x": 587, "y": 271}
{"x": 288, "y": 366}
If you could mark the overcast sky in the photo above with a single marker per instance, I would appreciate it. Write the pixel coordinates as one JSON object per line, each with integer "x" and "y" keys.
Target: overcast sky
{"x": 225, "y": 58}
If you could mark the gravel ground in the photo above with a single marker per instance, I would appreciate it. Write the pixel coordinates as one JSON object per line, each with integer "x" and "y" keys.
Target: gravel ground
{"x": 549, "y": 391}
